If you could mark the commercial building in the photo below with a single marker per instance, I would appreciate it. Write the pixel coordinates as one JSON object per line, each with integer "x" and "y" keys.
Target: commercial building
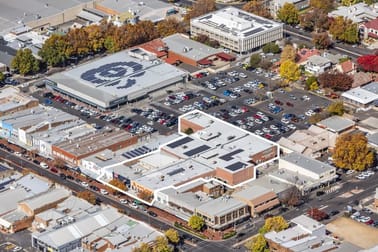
{"x": 132, "y": 11}
{"x": 311, "y": 142}
{"x": 236, "y": 30}
{"x": 116, "y": 79}
{"x": 16, "y": 126}
{"x": 259, "y": 199}
{"x": 358, "y": 13}
{"x": 11, "y": 100}
{"x": 22, "y": 217}
{"x": 317, "y": 64}
{"x": 305, "y": 234}
{"x": 337, "y": 124}
{"x": 216, "y": 151}
{"x": 304, "y": 172}
{"x": 73, "y": 150}
{"x": 18, "y": 16}
{"x": 93, "y": 229}
{"x": 364, "y": 96}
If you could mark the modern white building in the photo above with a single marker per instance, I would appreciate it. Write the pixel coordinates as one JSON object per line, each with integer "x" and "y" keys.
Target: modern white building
{"x": 237, "y": 30}
{"x": 358, "y": 13}
{"x": 317, "y": 64}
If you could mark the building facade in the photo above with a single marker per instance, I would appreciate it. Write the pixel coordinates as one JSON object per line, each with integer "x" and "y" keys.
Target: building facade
{"x": 236, "y": 30}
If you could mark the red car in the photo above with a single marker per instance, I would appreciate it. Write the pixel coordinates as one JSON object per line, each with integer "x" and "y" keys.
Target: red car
{"x": 289, "y": 104}
{"x": 54, "y": 170}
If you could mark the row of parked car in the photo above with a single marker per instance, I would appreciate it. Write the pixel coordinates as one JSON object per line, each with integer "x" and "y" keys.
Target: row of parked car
{"x": 155, "y": 115}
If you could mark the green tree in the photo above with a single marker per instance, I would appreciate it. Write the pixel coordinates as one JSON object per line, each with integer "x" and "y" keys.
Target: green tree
{"x": 344, "y": 30}
{"x": 310, "y": 80}
{"x": 257, "y": 244}
{"x": 254, "y": 60}
{"x": 25, "y": 62}
{"x": 352, "y": 152}
{"x": 54, "y": 50}
{"x": 172, "y": 236}
{"x": 336, "y": 108}
{"x": 2, "y": 76}
{"x": 321, "y": 40}
{"x": 271, "y": 48}
{"x": 196, "y": 222}
{"x": 144, "y": 247}
{"x": 289, "y": 71}
{"x": 350, "y": 2}
{"x": 288, "y": 53}
{"x": 288, "y": 14}
{"x": 161, "y": 245}
{"x": 276, "y": 223}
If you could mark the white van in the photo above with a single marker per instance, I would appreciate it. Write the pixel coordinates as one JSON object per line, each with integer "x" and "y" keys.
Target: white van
{"x": 44, "y": 165}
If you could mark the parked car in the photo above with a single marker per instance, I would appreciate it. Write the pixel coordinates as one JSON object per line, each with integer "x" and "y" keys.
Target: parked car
{"x": 44, "y": 165}
{"x": 153, "y": 214}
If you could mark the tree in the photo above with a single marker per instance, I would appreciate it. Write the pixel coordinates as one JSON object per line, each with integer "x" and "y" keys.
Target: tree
{"x": 144, "y": 195}
{"x": 288, "y": 14}
{"x": 188, "y": 131}
{"x": 172, "y": 236}
{"x": 170, "y": 26}
{"x": 310, "y": 83}
{"x": 314, "y": 119}
{"x": 88, "y": 196}
{"x": 257, "y": 7}
{"x": 271, "y": 48}
{"x": 368, "y": 63}
{"x": 25, "y": 62}
{"x": 53, "y": 51}
{"x": 119, "y": 184}
{"x": 288, "y": 53}
{"x": 265, "y": 64}
{"x": 344, "y": 29}
{"x": 336, "y": 81}
{"x": 292, "y": 197}
{"x": 144, "y": 247}
{"x": 351, "y": 152}
{"x": 315, "y": 20}
{"x": 321, "y": 40}
{"x": 196, "y": 222}
{"x": 2, "y": 76}
{"x": 254, "y": 60}
{"x": 336, "y": 108}
{"x": 161, "y": 245}
{"x": 275, "y": 223}
{"x": 59, "y": 162}
{"x": 199, "y": 8}
{"x": 317, "y": 214}
{"x": 289, "y": 71}
{"x": 325, "y": 5}
{"x": 257, "y": 244}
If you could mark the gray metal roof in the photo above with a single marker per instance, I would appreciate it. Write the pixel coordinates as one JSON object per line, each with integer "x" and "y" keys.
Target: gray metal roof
{"x": 189, "y": 48}
{"x": 220, "y": 206}
{"x": 117, "y": 77}
{"x": 46, "y": 198}
{"x": 308, "y": 163}
{"x": 371, "y": 87}
{"x": 373, "y": 139}
{"x": 336, "y": 123}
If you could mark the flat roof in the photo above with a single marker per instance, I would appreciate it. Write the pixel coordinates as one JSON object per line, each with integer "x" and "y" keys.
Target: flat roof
{"x": 177, "y": 173}
{"x": 94, "y": 141}
{"x": 236, "y": 22}
{"x": 11, "y": 98}
{"x": 13, "y": 12}
{"x": 307, "y": 223}
{"x": 46, "y": 198}
{"x": 36, "y": 117}
{"x": 308, "y": 163}
{"x": 119, "y": 77}
{"x": 373, "y": 139}
{"x": 251, "y": 192}
{"x": 318, "y": 60}
{"x": 371, "y": 87}
{"x": 360, "y": 95}
{"x": 336, "y": 123}
{"x": 359, "y": 12}
{"x": 183, "y": 45}
{"x": 220, "y": 206}
{"x": 152, "y": 10}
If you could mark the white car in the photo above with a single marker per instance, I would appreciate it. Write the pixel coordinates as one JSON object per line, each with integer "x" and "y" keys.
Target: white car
{"x": 44, "y": 165}
{"x": 266, "y": 130}
{"x": 123, "y": 201}
{"x": 259, "y": 132}
{"x": 349, "y": 172}
{"x": 265, "y": 118}
{"x": 259, "y": 113}
{"x": 360, "y": 177}
{"x": 258, "y": 121}
{"x": 104, "y": 192}
{"x": 243, "y": 75}
{"x": 310, "y": 113}
{"x": 285, "y": 121}
{"x": 85, "y": 184}
{"x": 273, "y": 127}
{"x": 292, "y": 126}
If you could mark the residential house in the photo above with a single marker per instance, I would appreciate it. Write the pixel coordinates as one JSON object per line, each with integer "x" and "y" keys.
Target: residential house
{"x": 347, "y": 67}
{"x": 317, "y": 64}
{"x": 358, "y": 13}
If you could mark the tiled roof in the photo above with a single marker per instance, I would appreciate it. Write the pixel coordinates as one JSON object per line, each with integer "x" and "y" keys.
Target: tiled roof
{"x": 347, "y": 66}
{"x": 372, "y": 24}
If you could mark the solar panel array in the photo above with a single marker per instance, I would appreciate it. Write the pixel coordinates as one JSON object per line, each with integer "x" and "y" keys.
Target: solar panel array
{"x": 229, "y": 156}
{"x": 137, "y": 152}
{"x": 253, "y": 31}
{"x": 197, "y": 150}
{"x": 111, "y": 74}
{"x": 180, "y": 142}
{"x": 235, "y": 166}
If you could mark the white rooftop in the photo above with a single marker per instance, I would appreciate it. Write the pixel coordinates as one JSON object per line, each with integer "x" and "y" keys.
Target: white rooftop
{"x": 360, "y": 95}
{"x": 11, "y": 98}
{"x": 336, "y": 123}
{"x": 236, "y": 22}
{"x": 358, "y": 13}
{"x": 220, "y": 206}
{"x": 308, "y": 163}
